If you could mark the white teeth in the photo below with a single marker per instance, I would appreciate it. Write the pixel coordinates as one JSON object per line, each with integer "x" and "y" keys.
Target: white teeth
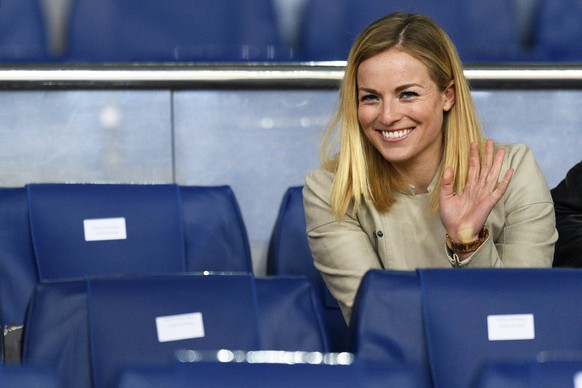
{"x": 396, "y": 134}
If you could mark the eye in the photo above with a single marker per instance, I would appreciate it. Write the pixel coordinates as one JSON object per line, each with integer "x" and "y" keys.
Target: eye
{"x": 408, "y": 95}
{"x": 368, "y": 98}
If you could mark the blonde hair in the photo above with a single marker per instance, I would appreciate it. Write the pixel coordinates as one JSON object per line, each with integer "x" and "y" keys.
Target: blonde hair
{"x": 361, "y": 173}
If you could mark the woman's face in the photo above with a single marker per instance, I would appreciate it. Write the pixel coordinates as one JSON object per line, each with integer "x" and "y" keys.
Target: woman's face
{"x": 400, "y": 109}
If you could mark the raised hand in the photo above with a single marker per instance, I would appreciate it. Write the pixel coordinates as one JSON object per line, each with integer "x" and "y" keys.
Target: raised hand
{"x": 464, "y": 214}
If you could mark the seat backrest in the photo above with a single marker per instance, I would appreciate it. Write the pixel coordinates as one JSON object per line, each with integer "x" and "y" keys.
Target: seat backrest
{"x": 387, "y": 325}
{"x": 504, "y": 374}
{"x": 18, "y": 273}
{"x": 289, "y": 254}
{"x": 169, "y": 229}
{"x": 90, "y": 229}
{"x": 88, "y": 330}
{"x": 532, "y": 374}
{"x": 157, "y": 30}
{"x": 476, "y": 316}
{"x": 558, "y": 30}
{"x": 28, "y": 377}
{"x": 23, "y": 38}
{"x": 272, "y": 374}
{"x": 215, "y": 234}
{"x": 467, "y": 22}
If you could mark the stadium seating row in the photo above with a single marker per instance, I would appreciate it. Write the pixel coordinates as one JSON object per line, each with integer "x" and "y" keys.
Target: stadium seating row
{"x": 475, "y": 327}
{"x": 60, "y": 231}
{"x": 97, "y": 31}
{"x": 87, "y": 329}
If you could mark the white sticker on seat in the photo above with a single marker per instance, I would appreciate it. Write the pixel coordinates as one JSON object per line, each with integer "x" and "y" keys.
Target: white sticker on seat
{"x": 510, "y": 327}
{"x": 104, "y": 229}
{"x": 180, "y": 327}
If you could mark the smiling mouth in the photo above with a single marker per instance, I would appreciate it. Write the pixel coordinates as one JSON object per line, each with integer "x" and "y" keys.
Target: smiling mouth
{"x": 395, "y": 134}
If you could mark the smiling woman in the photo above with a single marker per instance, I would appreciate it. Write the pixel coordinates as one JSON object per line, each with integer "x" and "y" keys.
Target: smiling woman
{"x": 400, "y": 110}
{"x": 407, "y": 179}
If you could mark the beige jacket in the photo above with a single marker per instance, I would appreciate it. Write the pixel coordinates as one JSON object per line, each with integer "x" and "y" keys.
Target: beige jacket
{"x": 522, "y": 230}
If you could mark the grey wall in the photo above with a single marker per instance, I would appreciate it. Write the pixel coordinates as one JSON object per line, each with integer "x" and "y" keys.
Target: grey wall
{"x": 258, "y": 141}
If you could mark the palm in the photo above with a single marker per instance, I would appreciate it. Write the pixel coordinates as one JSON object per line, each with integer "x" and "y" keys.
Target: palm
{"x": 464, "y": 214}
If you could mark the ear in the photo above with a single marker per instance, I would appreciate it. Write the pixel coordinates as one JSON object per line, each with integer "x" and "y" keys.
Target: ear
{"x": 449, "y": 97}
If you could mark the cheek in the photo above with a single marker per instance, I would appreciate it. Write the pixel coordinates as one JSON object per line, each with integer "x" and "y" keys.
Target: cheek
{"x": 365, "y": 116}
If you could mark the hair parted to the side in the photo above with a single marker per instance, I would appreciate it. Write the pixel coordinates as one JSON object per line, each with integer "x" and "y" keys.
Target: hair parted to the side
{"x": 361, "y": 173}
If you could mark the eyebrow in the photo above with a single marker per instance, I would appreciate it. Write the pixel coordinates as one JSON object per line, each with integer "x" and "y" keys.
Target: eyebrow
{"x": 397, "y": 90}
{"x": 406, "y": 86}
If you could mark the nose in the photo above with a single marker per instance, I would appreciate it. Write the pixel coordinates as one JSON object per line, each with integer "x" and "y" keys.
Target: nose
{"x": 390, "y": 112}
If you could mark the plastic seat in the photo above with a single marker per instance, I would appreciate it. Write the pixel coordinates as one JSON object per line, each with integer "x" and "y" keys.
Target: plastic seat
{"x": 478, "y": 316}
{"x": 28, "y": 377}
{"x": 558, "y": 30}
{"x": 289, "y": 255}
{"x": 89, "y": 330}
{"x": 169, "y": 229}
{"x": 387, "y": 323}
{"x": 537, "y": 374}
{"x": 23, "y": 38}
{"x": 270, "y": 374}
{"x": 468, "y": 23}
{"x": 161, "y": 31}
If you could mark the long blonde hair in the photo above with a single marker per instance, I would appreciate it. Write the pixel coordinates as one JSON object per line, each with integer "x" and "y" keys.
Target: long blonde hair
{"x": 361, "y": 173}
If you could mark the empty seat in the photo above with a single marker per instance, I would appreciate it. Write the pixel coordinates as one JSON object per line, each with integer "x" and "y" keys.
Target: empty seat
{"x": 161, "y": 31}
{"x": 387, "y": 324}
{"x": 89, "y": 330}
{"x": 28, "y": 377}
{"x": 289, "y": 254}
{"x": 558, "y": 30}
{"x": 539, "y": 374}
{"x": 133, "y": 229}
{"x": 272, "y": 374}
{"x": 504, "y": 374}
{"x": 478, "y": 316}
{"x": 23, "y": 38}
{"x": 468, "y": 23}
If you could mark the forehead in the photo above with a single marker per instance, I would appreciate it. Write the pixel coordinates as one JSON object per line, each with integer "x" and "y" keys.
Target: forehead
{"x": 393, "y": 66}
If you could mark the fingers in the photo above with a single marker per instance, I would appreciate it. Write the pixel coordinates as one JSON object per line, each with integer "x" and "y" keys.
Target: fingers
{"x": 502, "y": 186}
{"x": 473, "y": 163}
{"x": 484, "y": 175}
{"x": 487, "y": 159}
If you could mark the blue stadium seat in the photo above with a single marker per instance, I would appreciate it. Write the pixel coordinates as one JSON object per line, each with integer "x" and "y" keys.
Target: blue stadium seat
{"x": 162, "y": 31}
{"x": 478, "y": 316}
{"x": 469, "y": 23}
{"x": 558, "y": 30}
{"x": 23, "y": 38}
{"x": 169, "y": 229}
{"x": 89, "y": 330}
{"x": 387, "y": 325}
{"x": 28, "y": 377}
{"x": 289, "y": 255}
{"x": 537, "y": 374}
{"x": 263, "y": 375}
{"x": 18, "y": 273}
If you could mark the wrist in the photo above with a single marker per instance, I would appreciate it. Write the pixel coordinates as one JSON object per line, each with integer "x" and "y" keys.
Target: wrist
{"x": 467, "y": 247}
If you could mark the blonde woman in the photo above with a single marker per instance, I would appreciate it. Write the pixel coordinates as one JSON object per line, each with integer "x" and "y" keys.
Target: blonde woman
{"x": 407, "y": 178}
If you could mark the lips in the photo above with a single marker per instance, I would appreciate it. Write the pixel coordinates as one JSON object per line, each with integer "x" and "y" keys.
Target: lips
{"x": 396, "y": 134}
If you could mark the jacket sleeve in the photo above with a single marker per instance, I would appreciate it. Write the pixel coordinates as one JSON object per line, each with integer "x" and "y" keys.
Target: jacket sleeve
{"x": 523, "y": 222}
{"x": 567, "y": 197}
{"x": 342, "y": 251}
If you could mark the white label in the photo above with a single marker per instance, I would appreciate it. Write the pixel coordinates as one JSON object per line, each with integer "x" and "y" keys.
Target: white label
{"x": 510, "y": 327}
{"x": 105, "y": 229}
{"x": 578, "y": 380}
{"x": 180, "y": 327}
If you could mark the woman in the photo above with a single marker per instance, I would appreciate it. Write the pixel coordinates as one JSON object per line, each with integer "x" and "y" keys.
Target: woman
{"x": 407, "y": 179}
